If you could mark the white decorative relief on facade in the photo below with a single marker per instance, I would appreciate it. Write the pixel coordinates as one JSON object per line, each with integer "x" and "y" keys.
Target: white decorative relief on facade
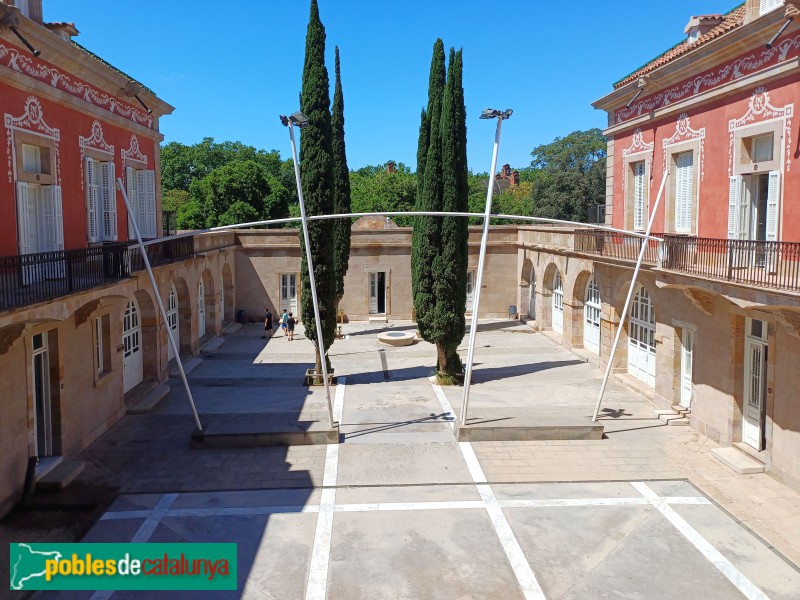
{"x": 745, "y": 65}
{"x": 685, "y": 133}
{"x": 32, "y": 120}
{"x": 637, "y": 145}
{"x": 133, "y": 153}
{"x": 13, "y": 59}
{"x": 96, "y": 141}
{"x": 761, "y": 109}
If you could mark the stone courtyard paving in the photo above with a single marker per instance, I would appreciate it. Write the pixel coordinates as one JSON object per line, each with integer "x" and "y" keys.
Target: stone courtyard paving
{"x": 401, "y": 510}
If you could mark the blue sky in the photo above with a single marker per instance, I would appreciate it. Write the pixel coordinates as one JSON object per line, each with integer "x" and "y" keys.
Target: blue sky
{"x": 230, "y": 68}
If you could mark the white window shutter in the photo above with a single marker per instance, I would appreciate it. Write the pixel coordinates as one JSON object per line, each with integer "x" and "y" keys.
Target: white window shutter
{"x": 23, "y": 219}
{"x": 773, "y": 206}
{"x": 48, "y": 212}
{"x": 744, "y": 213}
{"x": 684, "y": 186}
{"x": 733, "y": 206}
{"x": 639, "y": 209}
{"x": 109, "y": 194}
{"x": 130, "y": 186}
{"x": 141, "y": 205}
{"x": 150, "y": 201}
{"x": 91, "y": 200}
{"x": 58, "y": 224}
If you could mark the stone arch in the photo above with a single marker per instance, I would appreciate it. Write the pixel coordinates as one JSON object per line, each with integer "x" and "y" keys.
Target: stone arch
{"x": 149, "y": 325}
{"x": 184, "y": 314}
{"x": 548, "y": 281}
{"x": 527, "y": 282}
{"x": 227, "y": 293}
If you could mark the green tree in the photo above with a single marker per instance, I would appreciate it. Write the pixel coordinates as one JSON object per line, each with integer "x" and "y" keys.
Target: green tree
{"x": 172, "y": 200}
{"x": 373, "y": 189}
{"x": 426, "y": 236}
{"x": 341, "y": 188}
{"x": 317, "y": 179}
{"x": 191, "y": 215}
{"x": 450, "y": 264}
{"x": 569, "y": 175}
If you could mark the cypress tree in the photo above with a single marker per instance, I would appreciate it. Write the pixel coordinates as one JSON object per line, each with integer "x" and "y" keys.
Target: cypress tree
{"x": 316, "y": 172}
{"x": 425, "y": 239}
{"x": 450, "y": 264}
{"x": 341, "y": 188}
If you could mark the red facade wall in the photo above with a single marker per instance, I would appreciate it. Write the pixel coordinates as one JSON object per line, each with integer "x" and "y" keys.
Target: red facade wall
{"x": 72, "y": 124}
{"x": 714, "y": 186}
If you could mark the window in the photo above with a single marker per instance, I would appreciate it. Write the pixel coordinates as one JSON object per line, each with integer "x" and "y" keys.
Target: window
{"x": 101, "y": 200}
{"x": 22, "y": 5}
{"x": 684, "y": 191}
{"x": 769, "y": 5}
{"x": 141, "y": 188}
{"x": 638, "y": 195}
{"x": 558, "y": 303}
{"x": 754, "y": 206}
{"x": 102, "y": 345}
{"x": 39, "y": 218}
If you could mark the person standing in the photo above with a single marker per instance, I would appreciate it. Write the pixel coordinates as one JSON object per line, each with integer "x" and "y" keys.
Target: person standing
{"x": 290, "y": 323}
{"x": 267, "y": 325}
{"x": 284, "y": 319}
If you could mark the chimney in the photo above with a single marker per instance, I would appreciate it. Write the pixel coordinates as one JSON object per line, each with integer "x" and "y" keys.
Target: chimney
{"x": 701, "y": 25}
{"x": 391, "y": 167}
{"x": 66, "y": 31}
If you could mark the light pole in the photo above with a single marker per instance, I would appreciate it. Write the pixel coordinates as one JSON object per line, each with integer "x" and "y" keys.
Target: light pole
{"x": 301, "y": 120}
{"x": 488, "y": 113}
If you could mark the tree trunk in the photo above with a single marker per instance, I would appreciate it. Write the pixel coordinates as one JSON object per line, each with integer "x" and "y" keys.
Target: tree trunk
{"x": 448, "y": 361}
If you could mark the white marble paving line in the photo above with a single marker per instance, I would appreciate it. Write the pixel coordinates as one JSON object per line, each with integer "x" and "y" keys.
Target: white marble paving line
{"x": 317, "y": 586}
{"x": 526, "y": 578}
{"x": 445, "y": 404}
{"x": 338, "y": 399}
{"x": 734, "y": 575}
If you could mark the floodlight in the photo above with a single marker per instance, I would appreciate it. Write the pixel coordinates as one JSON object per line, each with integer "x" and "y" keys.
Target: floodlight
{"x": 299, "y": 119}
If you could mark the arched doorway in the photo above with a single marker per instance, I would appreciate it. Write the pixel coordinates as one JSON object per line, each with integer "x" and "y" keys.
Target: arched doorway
{"x": 172, "y": 321}
{"x": 532, "y": 300}
{"x": 642, "y": 339}
{"x": 591, "y": 317}
{"x": 132, "y": 357}
{"x": 201, "y": 309}
{"x": 558, "y": 303}
{"x": 226, "y": 299}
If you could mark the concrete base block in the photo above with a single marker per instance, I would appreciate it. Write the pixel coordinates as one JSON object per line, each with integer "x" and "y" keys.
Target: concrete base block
{"x": 255, "y": 432}
{"x": 149, "y": 400}
{"x": 737, "y": 460}
{"x": 61, "y": 476}
{"x": 478, "y": 430}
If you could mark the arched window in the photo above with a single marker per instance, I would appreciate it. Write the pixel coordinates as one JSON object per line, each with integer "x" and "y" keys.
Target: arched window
{"x": 642, "y": 339}
{"x": 558, "y": 303}
{"x": 591, "y": 317}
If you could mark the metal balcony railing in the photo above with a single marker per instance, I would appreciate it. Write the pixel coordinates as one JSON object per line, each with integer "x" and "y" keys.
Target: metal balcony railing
{"x": 31, "y": 278}
{"x": 773, "y": 265}
{"x": 618, "y": 246}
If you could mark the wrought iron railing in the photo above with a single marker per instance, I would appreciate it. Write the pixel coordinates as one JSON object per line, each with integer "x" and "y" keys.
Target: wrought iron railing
{"x": 764, "y": 264}
{"x": 618, "y": 246}
{"x": 30, "y": 278}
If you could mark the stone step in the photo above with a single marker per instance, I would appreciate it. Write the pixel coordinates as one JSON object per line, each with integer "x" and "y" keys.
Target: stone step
{"x": 149, "y": 400}
{"x": 61, "y": 476}
{"x": 231, "y": 328}
{"x": 679, "y": 421}
{"x": 378, "y": 319}
{"x": 737, "y": 460}
{"x": 188, "y": 366}
{"x": 213, "y": 345}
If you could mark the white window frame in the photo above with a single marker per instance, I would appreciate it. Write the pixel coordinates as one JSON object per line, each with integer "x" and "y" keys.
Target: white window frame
{"x": 768, "y": 6}
{"x": 558, "y": 302}
{"x": 23, "y": 7}
{"x": 101, "y": 200}
{"x": 634, "y": 221}
{"x": 592, "y": 311}
{"x": 684, "y": 190}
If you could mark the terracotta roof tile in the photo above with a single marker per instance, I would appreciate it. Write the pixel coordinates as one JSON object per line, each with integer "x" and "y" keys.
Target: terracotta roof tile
{"x": 731, "y": 21}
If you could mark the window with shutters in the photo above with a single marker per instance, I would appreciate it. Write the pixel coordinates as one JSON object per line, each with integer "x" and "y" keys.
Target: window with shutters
{"x": 38, "y": 200}
{"x": 637, "y": 195}
{"x": 769, "y": 5}
{"x": 101, "y": 200}
{"x": 683, "y": 198}
{"x": 141, "y": 189}
{"x": 101, "y": 335}
{"x": 23, "y": 6}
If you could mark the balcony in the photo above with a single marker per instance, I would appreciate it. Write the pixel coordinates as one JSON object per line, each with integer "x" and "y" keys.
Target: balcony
{"x": 31, "y": 278}
{"x": 774, "y": 265}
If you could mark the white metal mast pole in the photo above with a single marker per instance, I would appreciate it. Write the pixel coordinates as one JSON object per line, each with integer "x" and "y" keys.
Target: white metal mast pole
{"x": 163, "y": 312}
{"x": 309, "y": 260}
{"x": 645, "y": 243}
{"x": 481, "y": 257}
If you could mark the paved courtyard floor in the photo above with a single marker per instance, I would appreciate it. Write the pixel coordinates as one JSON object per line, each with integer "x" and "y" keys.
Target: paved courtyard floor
{"x": 402, "y": 510}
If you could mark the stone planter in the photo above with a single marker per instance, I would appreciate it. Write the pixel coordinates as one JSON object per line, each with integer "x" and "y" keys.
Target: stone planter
{"x": 312, "y": 378}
